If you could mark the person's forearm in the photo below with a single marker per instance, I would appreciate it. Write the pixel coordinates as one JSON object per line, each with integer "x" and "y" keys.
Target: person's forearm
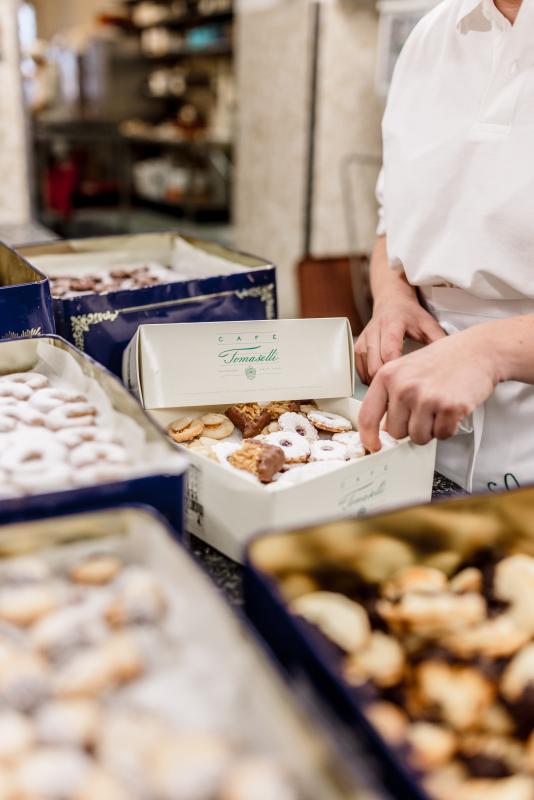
{"x": 509, "y": 344}
{"x": 384, "y": 280}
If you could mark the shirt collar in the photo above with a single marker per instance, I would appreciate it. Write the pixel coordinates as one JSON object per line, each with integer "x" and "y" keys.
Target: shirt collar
{"x": 471, "y": 9}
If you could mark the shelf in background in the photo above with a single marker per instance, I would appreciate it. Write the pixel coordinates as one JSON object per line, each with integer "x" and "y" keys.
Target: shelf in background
{"x": 222, "y": 50}
{"x": 185, "y": 144}
{"x": 195, "y": 208}
{"x": 191, "y": 21}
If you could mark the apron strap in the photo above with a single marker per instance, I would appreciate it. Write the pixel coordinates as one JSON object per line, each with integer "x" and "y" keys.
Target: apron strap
{"x": 478, "y": 429}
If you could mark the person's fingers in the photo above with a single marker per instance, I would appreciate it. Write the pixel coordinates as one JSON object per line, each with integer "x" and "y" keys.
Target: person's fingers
{"x": 397, "y": 419}
{"x": 421, "y": 424}
{"x": 360, "y": 352}
{"x": 431, "y": 330}
{"x": 372, "y": 410}
{"x": 391, "y": 340}
{"x": 445, "y": 425}
{"x": 374, "y": 360}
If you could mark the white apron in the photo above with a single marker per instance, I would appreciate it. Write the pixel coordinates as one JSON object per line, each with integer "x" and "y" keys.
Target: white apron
{"x": 497, "y": 451}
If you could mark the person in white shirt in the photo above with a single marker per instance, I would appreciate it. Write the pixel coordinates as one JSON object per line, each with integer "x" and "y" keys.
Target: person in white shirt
{"x": 453, "y": 266}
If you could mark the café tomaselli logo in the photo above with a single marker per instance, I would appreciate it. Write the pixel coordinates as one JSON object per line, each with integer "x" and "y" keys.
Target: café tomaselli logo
{"x": 252, "y": 354}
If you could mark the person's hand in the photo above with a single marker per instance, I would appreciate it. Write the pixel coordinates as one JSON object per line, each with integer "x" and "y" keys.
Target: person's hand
{"x": 395, "y": 316}
{"x": 428, "y": 393}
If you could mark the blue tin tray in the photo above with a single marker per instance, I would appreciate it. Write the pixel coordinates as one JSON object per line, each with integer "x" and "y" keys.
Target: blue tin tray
{"x": 103, "y": 325}
{"x": 25, "y": 299}
{"x": 307, "y": 662}
{"x": 164, "y": 491}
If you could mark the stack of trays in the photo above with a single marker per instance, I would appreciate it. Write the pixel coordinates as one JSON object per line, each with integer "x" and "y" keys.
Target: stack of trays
{"x": 104, "y": 288}
{"x": 125, "y": 676}
{"x": 414, "y": 630}
{"x": 25, "y": 300}
{"x": 72, "y": 438}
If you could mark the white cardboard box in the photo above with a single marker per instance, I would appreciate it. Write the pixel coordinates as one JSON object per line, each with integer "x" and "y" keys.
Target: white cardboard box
{"x": 180, "y": 368}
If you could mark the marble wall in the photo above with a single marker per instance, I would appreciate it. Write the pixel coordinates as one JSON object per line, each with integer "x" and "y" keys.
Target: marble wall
{"x": 273, "y": 88}
{"x": 274, "y": 68}
{"x": 14, "y": 177}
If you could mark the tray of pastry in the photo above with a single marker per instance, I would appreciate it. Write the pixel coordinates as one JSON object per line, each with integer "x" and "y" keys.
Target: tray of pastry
{"x": 71, "y": 436}
{"x": 123, "y": 674}
{"x": 415, "y": 629}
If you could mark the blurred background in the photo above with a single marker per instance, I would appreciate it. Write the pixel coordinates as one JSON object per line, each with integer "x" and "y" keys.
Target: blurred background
{"x": 251, "y": 122}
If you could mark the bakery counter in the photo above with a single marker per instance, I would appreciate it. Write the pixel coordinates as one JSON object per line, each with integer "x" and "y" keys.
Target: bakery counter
{"x": 228, "y": 575}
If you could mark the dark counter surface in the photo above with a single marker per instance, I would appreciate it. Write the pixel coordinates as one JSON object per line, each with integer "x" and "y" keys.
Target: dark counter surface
{"x": 227, "y": 574}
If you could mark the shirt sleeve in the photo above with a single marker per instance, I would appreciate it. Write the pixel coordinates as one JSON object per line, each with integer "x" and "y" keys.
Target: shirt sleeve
{"x": 381, "y": 226}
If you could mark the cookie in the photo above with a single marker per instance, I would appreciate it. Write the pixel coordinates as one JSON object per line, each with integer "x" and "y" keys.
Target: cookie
{"x": 494, "y": 638}
{"x": 343, "y": 621}
{"x": 185, "y": 429}
{"x": 433, "y": 615}
{"x": 220, "y": 431}
{"x": 295, "y": 447}
{"x": 414, "y": 579}
{"x": 332, "y": 423}
{"x": 258, "y": 458}
{"x": 249, "y": 418}
{"x": 381, "y": 661}
{"x": 389, "y": 720}
{"x": 461, "y": 694}
{"x": 430, "y": 745}
{"x": 276, "y": 409}
{"x": 256, "y": 778}
{"x": 96, "y": 570}
{"x": 514, "y": 584}
{"x": 72, "y": 723}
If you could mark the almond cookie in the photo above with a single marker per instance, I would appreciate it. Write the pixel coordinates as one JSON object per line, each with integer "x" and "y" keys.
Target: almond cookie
{"x": 276, "y": 409}
{"x": 249, "y": 418}
{"x": 341, "y": 620}
{"x": 185, "y": 429}
{"x": 414, "y": 579}
{"x": 262, "y": 460}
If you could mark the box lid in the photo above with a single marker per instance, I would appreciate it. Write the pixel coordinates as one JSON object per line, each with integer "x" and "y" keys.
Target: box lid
{"x": 211, "y": 363}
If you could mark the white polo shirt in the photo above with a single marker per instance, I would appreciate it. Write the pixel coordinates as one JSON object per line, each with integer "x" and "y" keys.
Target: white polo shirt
{"x": 458, "y": 178}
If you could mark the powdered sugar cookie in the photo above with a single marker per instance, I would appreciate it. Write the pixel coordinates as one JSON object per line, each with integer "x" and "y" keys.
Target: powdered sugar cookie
{"x": 71, "y": 415}
{"x": 328, "y": 451}
{"x": 32, "y": 379}
{"x": 326, "y": 421}
{"x": 46, "y": 400}
{"x": 296, "y": 448}
{"x": 352, "y": 441}
{"x": 299, "y": 424}
{"x": 17, "y": 390}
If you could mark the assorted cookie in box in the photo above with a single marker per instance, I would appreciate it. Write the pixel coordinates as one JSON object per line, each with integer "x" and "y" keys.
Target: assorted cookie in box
{"x": 266, "y": 413}
{"x": 110, "y": 691}
{"x": 422, "y": 622}
{"x": 103, "y": 288}
{"x": 277, "y": 438}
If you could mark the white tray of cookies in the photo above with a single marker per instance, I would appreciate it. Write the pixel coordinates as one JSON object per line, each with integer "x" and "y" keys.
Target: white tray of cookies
{"x": 267, "y": 414}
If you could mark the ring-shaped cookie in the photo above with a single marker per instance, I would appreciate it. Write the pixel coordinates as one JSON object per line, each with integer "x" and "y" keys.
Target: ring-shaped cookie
{"x": 326, "y": 421}
{"x": 326, "y": 450}
{"x": 298, "y": 423}
{"x": 296, "y": 448}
